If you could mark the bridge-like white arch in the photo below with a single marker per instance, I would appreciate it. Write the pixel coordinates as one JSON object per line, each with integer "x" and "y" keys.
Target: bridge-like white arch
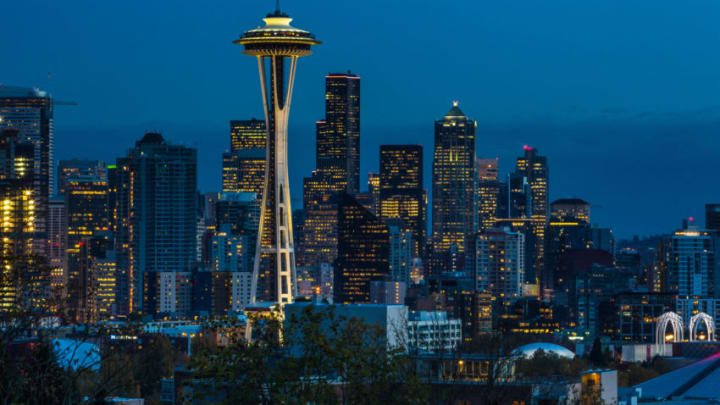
{"x": 709, "y": 325}
{"x": 662, "y": 322}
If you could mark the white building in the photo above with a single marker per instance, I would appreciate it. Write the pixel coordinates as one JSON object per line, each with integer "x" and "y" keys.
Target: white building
{"x": 433, "y": 331}
{"x": 392, "y": 319}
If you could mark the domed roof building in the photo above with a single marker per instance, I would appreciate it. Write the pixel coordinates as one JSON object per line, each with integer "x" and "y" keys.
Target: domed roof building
{"x": 529, "y": 350}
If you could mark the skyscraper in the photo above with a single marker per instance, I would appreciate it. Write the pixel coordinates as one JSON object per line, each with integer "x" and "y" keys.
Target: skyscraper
{"x": 338, "y": 136}
{"x": 363, "y": 251}
{"x": 337, "y": 156}
{"x": 157, "y": 214}
{"x": 86, "y": 207}
{"x": 712, "y": 217}
{"x": 535, "y": 169}
{"x": 244, "y": 166}
{"x": 488, "y": 195}
{"x": 30, "y": 112}
{"x": 453, "y": 186}
{"x": 18, "y": 235}
{"x": 401, "y": 190}
{"x": 277, "y": 46}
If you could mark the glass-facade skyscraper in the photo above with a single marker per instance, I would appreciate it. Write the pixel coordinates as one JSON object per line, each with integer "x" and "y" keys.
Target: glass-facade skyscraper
{"x": 30, "y": 113}
{"x": 157, "y": 214}
{"x": 453, "y": 187}
{"x": 338, "y": 136}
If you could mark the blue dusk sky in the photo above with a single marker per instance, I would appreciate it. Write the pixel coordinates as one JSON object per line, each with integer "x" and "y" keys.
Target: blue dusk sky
{"x": 622, "y": 96}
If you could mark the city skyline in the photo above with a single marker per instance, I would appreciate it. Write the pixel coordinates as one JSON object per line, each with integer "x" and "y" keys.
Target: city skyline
{"x": 631, "y": 110}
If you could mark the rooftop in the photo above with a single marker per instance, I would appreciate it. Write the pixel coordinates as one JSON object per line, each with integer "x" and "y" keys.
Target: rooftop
{"x": 16, "y": 92}
{"x": 455, "y": 112}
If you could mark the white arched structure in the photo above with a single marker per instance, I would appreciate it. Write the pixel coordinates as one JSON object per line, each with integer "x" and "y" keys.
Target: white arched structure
{"x": 662, "y": 322}
{"x": 709, "y": 325}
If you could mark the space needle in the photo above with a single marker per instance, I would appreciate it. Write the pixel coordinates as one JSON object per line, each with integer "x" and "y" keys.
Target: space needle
{"x": 277, "y": 47}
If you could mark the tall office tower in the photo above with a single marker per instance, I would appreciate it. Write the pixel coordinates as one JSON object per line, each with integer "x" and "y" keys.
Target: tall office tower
{"x": 30, "y": 112}
{"x": 78, "y": 169}
{"x": 374, "y": 189}
{"x": 488, "y": 195}
{"x": 363, "y": 251}
{"x": 692, "y": 266}
{"x": 57, "y": 238}
{"x": 86, "y": 207}
{"x": 244, "y": 166}
{"x": 500, "y": 262}
{"x": 535, "y": 168}
{"x": 401, "y": 190}
{"x": 573, "y": 209}
{"x": 712, "y": 217}
{"x": 402, "y": 250}
{"x": 337, "y": 164}
{"x": 277, "y": 47}
{"x": 338, "y": 136}
{"x": 18, "y": 235}
{"x": 157, "y": 214}
{"x": 453, "y": 186}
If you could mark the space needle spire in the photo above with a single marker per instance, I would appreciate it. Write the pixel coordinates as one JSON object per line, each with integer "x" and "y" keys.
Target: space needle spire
{"x": 277, "y": 46}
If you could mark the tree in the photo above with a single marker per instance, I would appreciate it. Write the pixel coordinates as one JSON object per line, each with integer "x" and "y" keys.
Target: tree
{"x": 597, "y": 358}
{"x": 323, "y": 358}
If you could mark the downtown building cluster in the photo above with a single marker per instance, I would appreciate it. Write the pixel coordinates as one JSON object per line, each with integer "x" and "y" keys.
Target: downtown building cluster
{"x": 485, "y": 250}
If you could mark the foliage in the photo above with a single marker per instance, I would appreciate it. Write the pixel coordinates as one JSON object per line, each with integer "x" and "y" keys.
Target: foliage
{"x": 322, "y": 359}
{"x": 543, "y": 365}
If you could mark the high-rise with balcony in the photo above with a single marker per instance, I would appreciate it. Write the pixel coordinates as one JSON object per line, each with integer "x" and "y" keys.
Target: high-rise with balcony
{"x": 157, "y": 214}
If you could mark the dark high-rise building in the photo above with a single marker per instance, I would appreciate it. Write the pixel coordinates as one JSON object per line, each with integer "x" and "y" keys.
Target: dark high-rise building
{"x": 157, "y": 214}
{"x": 712, "y": 217}
{"x": 338, "y": 136}
{"x": 453, "y": 186}
{"x": 86, "y": 207}
{"x": 244, "y": 166}
{"x": 570, "y": 209}
{"x": 401, "y": 190}
{"x": 30, "y": 113}
{"x": 488, "y": 193}
{"x": 363, "y": 251}
{"x": 337, "y": 157}
{"x": 535, "y": 169}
